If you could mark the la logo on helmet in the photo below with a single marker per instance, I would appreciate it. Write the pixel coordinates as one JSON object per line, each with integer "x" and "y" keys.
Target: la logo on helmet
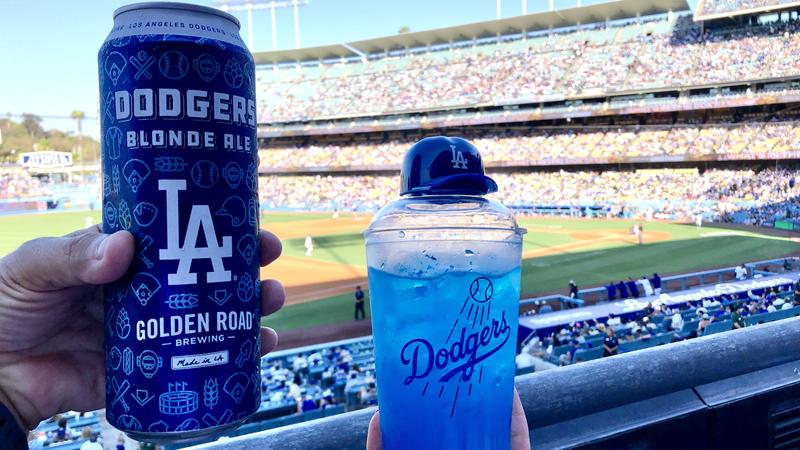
{"x": 459, "y": 162}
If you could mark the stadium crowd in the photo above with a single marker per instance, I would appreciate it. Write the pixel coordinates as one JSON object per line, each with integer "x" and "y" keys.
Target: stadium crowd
{"x": 16, "y": 182}
{"x": 659, "y": 323}
{"x": 603, "y": 59}
{"x": 667, "y": 193}
{"x": 321, "y": 379}
{"x": 724, "y": 6}
{"x": 753, "y": 140}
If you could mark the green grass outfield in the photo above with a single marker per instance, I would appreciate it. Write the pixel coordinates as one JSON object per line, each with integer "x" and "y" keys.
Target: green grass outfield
{"x": 594, "y": 263}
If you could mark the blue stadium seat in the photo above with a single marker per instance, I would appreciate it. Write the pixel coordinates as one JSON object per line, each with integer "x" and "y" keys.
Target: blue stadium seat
{"x": 588, "y": 354}
{"x": 334, "y": 410}
{"x": 561, "y": 349}
{"x": 718, "y": 327}
{"x": 688, "y": 326}
{"x": 632, "y": 346}
{"x": 288, "y": 420}
{"x": 526, "y": 370}
{"x": 314, "y": 414}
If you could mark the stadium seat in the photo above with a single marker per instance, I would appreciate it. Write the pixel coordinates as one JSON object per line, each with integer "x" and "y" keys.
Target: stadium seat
{"x": 333, "y": 410}
{"x": 314, "y": 414}
{"x": 689, "y": 326}
{"x": 718, "y": 327}
{"x": 525, "y": 370}
{"x": 587, "y": 355}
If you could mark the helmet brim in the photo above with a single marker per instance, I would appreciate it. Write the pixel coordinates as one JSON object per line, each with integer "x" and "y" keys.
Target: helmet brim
{"x": 466, "y": 183}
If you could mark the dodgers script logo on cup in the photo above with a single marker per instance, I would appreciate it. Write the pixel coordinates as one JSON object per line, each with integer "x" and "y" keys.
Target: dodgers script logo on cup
{"x": 469, "y": 343}
{"x": 444, "y": 278}
{"x": 177, "y": 88}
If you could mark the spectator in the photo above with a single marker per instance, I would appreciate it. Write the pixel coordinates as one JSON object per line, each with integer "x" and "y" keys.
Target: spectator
{"x": 703, "y": 324}
{"x": 525, "y": 359}
{"x": 648, "y": 310}
{"x": 573, "y": 289}
{"x": 677, "y": 322}
{"x": 656, "y": 283}
{"x": 611, "y": 291}
{"x": 295, "y": 389}
{"x": 352, "y": 382}
{"x": 368, "y": 394}
{"x": 307, "y": 404}
{"x": 315, "y": 359}
{"x": 623, "y": 290}
{"x": 300, "y": 364}
{"x": 647, "y": 288}
{"x": 631, "y": 285}
{"x": 328, "y": 400}
{"x": 741, "y": 272}
{"x": 610, "y": 343}
{"x": 62, "y": 432}
{"x": 359, "y": 302}
{"x": 92, "y": 443}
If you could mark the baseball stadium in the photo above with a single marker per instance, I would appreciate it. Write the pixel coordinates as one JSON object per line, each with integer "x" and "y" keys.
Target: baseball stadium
{"x": 650, "y": 148}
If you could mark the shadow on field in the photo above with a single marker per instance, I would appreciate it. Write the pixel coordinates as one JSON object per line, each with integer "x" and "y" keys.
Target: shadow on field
{"x": 552, "y": 273}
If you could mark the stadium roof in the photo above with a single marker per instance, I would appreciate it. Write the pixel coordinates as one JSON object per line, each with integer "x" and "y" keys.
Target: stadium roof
{"x": 782, "y": 6}
{"x": 612, "y": 10}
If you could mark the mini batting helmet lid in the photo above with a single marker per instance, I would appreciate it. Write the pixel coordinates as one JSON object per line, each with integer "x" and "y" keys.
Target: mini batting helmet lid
{"x": 444, "y": 165}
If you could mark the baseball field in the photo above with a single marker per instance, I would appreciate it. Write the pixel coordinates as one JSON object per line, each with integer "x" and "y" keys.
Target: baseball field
{"x": 592, "y": 252}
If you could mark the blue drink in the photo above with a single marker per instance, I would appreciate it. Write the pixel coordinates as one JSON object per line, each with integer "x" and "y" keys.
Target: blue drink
{"x": 444, "y": 280}
{"x": 446, "y": 350}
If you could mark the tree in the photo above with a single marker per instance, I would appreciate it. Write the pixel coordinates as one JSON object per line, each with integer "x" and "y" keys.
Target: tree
{"x": 33, "y": 125}
{"x": 404, "y": 29}
{"x": 78, "y": 116}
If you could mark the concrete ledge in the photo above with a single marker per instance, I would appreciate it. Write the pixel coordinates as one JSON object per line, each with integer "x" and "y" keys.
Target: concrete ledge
{"x": 573, "y": 392}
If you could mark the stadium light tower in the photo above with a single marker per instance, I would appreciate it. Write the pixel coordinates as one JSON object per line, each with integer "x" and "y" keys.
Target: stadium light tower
{"x": 250, "y": 5}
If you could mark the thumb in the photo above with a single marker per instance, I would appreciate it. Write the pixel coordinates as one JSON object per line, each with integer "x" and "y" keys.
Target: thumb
{"x": 374, "y": 432}
{"x": 83, "y": 257}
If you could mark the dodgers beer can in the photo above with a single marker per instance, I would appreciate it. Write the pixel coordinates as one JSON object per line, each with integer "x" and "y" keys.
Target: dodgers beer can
{"x": 179, "y": 163}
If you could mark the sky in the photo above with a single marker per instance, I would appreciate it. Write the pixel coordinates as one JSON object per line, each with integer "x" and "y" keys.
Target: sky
{"x": 48, "y": 48}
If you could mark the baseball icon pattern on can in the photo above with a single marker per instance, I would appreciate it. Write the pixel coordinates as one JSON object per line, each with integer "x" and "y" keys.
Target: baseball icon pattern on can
{"x": 180, "y": 173}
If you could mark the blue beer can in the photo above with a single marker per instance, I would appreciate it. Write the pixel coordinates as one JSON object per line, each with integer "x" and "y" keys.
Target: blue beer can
{"x": 179, "y": 163}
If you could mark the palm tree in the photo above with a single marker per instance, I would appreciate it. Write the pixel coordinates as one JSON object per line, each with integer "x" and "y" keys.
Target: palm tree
{"x": 78, "y": 116}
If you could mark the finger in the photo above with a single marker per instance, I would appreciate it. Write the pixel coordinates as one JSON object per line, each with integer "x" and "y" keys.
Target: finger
{"x": 271, "y": 247}
{"x": 374, "y": 432}
{"x": 269, "y": 340}
{"x": 54, "y": 263}
{"x": 520, "y": 438}
{"x": 272, "y": 296}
